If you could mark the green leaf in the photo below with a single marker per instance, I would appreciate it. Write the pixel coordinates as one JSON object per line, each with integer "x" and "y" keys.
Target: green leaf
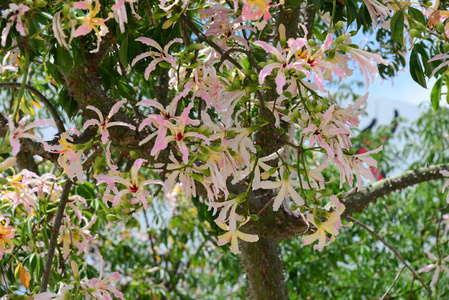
{"x": 397, "y": 27}
{"x": 86, "y": 190}
{"x": 422, "y": 50}
{"x": 63, "y": 60}
{"x": 416, "y": 69}
{"x": 123, "y": 53}
{"x": 416, "y": 15}
{"x": 435, "y": 95}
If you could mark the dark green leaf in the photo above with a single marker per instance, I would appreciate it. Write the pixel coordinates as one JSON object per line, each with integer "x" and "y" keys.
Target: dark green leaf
{"x": 416, "y": 15}
{"x": 397, "y": 27}
{"x": 123, "y": 53}
{"x": 416, "y": 69}
{"x": 435, "y": 95}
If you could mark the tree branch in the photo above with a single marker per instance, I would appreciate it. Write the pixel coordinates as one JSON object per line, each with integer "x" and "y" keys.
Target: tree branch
{"x": 396, "y": 253}
{"x": 290, "y": 223}
{"x": 43, "y": 99}
{"x": 355, "y": 201}
{"x": 54, "y": 234}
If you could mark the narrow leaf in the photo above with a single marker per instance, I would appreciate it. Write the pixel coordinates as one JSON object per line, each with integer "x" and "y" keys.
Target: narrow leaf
{"x": 416, "y": 69}
{"x": 123, "y": 53}
{"x": 435, "y": 95}
{"x": 397, "y": 27}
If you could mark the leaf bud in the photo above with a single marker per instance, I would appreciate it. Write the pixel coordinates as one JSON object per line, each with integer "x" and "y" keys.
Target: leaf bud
{"x": 196, "y": 177}
{"x": 338, "y": 25}
{"x": 66, "y": 9}
{"x": 293, "y": 118}
{"x": 344, "y": 48}
{"x": 326, "y": 192}
{"x": 420, "y": 26}
{"x": 112, "y": 218}
{"x": 446, "y": 47}
{"x": 241, "y": 198}
{"x": 67, "y": 25}
{"x": 254, "y": 217}
{"x": 318, "y": 108}
{"x": 40, "y": 3}
{"x": 164, "y": 64}
{"x": 251, "y": 89}
{"x": 133, "y": 154}
{"x": 126, "y": 204}
{"x": 194, "y": 47}
{"x": 340, "y": 39}
{"x": 415, "y": 33}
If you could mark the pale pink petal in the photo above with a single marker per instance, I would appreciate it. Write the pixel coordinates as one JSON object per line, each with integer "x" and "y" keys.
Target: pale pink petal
{"x": 82, "y": 30}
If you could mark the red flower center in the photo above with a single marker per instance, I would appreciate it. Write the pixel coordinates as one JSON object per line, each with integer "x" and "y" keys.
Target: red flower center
{"x": 133, "y": 188}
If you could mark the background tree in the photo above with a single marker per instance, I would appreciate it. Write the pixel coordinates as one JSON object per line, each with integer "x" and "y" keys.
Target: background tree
{"x": 200, "y": 123}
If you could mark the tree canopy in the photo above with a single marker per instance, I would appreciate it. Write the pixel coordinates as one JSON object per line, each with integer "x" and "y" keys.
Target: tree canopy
{"x": 201, "y": 149}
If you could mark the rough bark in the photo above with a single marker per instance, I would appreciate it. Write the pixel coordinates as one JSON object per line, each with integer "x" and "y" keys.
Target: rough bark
{"x": 264, "y": 269}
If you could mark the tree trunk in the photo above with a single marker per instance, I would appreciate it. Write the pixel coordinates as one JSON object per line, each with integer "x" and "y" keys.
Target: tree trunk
{"x": 264, "y": 269}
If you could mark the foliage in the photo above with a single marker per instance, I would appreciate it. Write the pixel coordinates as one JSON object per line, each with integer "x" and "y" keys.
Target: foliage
{"x": 195, "y": 124}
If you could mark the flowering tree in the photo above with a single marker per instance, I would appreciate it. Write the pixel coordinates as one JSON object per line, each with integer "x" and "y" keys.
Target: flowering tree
{"x": 226, "y": 105}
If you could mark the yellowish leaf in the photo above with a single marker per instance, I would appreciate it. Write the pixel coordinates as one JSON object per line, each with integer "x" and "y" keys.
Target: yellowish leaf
{"x": 37, "y": 104}
{"x": 24, "y": 277}
{"x": 17, "y": 270}
{"x": 167, "y": 24}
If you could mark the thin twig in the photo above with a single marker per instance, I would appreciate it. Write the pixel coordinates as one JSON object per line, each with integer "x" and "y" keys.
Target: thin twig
{"x": 411, "y": 288}
{"x": 393, "y": 284}
{"x": 43, "y": 99}
{"x": 398, "y": 255}
{"x": 54, "y": 234}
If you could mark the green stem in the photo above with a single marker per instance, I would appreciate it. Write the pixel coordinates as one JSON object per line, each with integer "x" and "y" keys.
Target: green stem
{"x": 22, "y": 86}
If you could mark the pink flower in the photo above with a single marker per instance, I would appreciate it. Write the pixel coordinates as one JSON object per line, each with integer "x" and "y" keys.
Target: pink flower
{"x": 223, "y": 28}
{"x": 103, "y": 124}
{"x": 62, "y": 294}
{"x": 119, "y": 11}
{"x": 283, "y": 63}
{"x": 255, "y": 9}
{"x": 101, "y": 288}
{"x": 133, "y": 186}
{"x": 69, "y": 157}
{"x": 376, "y": 10}
{"x": 170, "y": 6}
{"x": 330, "y": 226}
{"x": 438, "y": 266}
{"x": 287, "y": 188}
{"x": 366, "y": 61}
{"x": 231, "y": 236}
{"x": 18, "y": 11}
{"x": 6, "y": 233}
{"x": 178, "y": 135}
{"x": 20, "y": 132}
{"x": 162, "y": 55}
{"x": 443, "y": 64}
{"x": 90, "y": 21}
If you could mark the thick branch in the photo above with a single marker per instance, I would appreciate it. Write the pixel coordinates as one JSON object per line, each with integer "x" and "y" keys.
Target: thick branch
{"x": 289, "y": 224}
{"x": 355, "y": 201}
{"x": 54, "y": 235}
